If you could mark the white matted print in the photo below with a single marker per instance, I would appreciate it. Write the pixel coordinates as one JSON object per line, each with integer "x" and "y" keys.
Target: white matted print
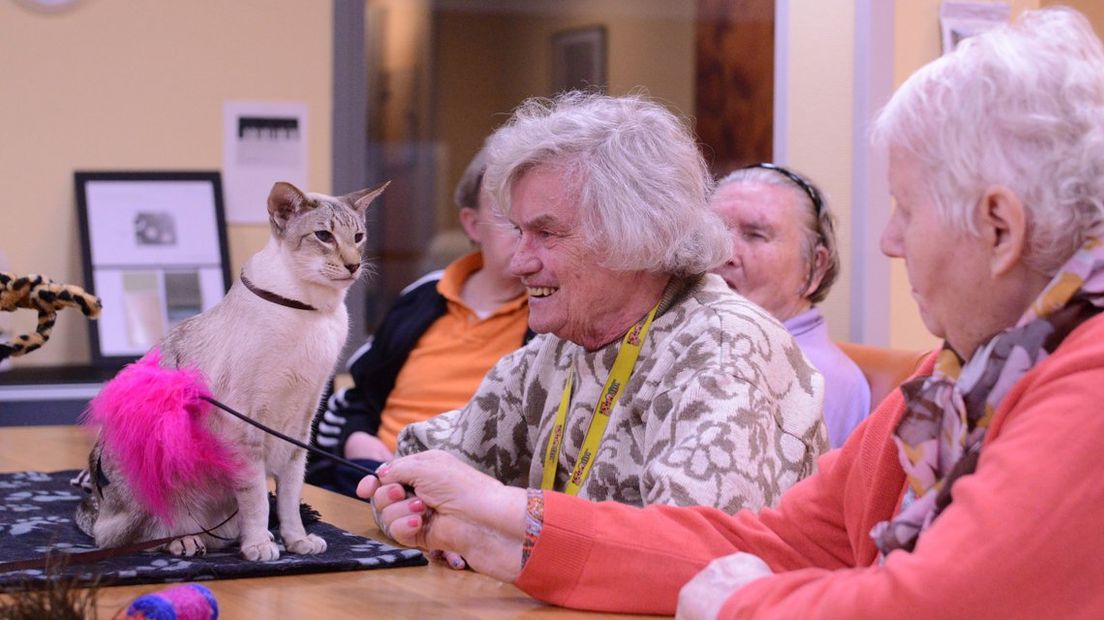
{"x": 263, "y": 142}
{"x": 152, "y": 222}
{"x": 155, "y": 252}
{"x": 148, "y": 303}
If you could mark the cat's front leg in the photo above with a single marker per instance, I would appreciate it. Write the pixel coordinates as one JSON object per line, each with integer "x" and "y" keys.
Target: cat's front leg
{"x": 289, "y": 491}
{"x": 252, "y": 495}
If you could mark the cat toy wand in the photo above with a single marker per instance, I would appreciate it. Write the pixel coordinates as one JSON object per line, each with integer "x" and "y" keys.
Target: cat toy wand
{"x": 100, "y": 554}
{"x": 295, "y": 442}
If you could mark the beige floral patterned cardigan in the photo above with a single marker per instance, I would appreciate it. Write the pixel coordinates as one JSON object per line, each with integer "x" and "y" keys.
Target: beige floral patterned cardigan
{"x": 722, "y": 409}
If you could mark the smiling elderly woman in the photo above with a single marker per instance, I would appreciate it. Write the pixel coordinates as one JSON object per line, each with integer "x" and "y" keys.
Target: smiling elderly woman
{"x": 974, "y": 491}
{"x": 650, "y": 382}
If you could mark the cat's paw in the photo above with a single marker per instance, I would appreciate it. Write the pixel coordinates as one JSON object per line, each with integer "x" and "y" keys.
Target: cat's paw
{"x": 308, "y": 545}
{"x": 264, "y": 551}
{"x": 188, "y": 546}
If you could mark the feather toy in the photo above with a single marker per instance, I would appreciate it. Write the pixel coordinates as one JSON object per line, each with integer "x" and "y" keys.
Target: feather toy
{"x": 153, "y": 423}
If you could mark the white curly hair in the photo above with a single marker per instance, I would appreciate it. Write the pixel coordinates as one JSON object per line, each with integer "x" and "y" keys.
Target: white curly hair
{"x": 640, "y": 181}
{"x": 1020, "y": 106}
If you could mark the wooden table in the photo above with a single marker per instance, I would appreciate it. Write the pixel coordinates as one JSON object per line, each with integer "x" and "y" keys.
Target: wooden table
{"x": 433, "y": 591}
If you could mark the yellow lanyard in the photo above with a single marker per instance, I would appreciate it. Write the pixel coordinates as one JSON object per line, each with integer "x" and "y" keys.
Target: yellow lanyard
{"x": 618, "y": 377}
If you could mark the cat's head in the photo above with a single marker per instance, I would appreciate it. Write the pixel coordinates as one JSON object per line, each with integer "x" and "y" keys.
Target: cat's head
{"x": 323, "y": 235}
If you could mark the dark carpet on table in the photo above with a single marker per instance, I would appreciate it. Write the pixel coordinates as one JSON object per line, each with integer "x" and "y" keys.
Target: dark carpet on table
{"x": 36, "y": 518}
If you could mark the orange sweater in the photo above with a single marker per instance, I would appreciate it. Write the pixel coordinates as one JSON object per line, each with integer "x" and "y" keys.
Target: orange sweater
{"x": 1024, "y": 536}
{"x": 452, "y": 356}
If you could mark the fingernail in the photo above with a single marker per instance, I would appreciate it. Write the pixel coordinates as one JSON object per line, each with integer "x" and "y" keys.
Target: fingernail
{"x": 456, "y": 563}
{"x": 382, "y": 470}
{"x": 396, "y": 494}
{"x": 417, "y": 505}
{"x": 412, "y": 521}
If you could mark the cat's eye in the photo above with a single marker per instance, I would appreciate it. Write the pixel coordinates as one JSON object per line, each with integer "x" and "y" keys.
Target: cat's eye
{"x": 358, "y": 237}
{"x": 324, "y": 236}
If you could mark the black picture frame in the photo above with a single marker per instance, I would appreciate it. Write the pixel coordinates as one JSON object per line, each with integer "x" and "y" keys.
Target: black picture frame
{"x": 154, "y": 249}
{"x": 579, "y": 60}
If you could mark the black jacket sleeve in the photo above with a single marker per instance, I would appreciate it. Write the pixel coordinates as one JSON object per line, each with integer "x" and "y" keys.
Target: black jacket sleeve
{"x": 374, "y": 370}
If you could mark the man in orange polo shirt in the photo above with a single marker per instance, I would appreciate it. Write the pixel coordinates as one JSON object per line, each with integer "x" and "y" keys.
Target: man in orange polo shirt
{"x": 433, "y": 347}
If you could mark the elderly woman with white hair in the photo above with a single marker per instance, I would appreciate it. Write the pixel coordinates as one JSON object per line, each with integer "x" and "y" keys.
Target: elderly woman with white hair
{"x": 784, "y": 258}
{"x": 649, "y": 382}
{"x": 974, "y": 490}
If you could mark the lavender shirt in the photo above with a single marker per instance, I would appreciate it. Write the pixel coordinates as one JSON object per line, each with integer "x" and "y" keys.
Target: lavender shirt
{"x": 846, "y": 393}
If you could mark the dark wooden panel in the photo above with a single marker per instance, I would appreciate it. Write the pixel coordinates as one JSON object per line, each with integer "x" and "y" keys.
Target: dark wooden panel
{"x": 734, "y": 64}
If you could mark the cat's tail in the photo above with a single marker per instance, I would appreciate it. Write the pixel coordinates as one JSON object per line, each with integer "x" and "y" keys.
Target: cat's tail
{"x": 152, "y": 427}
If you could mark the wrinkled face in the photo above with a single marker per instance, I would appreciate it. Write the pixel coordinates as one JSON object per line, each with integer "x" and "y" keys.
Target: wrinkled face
{"x": 570, "y": 294}
{"x": 767, "y": 227}
{"x": 946, "y": 268}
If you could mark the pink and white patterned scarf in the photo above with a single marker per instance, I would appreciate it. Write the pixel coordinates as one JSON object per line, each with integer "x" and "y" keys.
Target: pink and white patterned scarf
{"x": 947, "y": 414}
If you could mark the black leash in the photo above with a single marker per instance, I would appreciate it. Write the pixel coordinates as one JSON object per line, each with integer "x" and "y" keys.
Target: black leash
{"x": 275, "y": 433}
{"x": 62, "y": 559}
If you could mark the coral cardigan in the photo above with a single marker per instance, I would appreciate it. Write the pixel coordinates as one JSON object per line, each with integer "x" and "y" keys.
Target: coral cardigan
{"x": 1024, "y": 537}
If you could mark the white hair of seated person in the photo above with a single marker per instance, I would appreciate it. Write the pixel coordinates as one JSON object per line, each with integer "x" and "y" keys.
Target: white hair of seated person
{"x": 1044, "y": 141}
{"x": 640, "y": 179}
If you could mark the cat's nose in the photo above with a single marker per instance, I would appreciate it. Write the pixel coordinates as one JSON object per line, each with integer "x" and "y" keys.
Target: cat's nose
{"x": 352, "y": 267}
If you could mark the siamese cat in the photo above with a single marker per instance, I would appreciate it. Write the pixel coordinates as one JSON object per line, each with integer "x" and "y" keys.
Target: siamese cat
{"x": 266, "y": 350}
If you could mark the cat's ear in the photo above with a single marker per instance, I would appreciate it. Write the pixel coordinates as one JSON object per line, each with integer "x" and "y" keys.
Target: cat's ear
{"x": 285, "y": 201}
{"x": 360, "y": 199}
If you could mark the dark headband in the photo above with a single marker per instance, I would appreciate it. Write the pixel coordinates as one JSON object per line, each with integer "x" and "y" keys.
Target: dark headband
{"x": 797, "y": 179}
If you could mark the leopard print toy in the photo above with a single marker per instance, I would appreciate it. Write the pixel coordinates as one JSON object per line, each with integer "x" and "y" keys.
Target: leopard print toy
{"x": 48, "y": 298}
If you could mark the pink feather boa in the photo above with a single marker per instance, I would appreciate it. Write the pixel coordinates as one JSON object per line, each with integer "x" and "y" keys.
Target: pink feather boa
{"x": 152, "y": 422}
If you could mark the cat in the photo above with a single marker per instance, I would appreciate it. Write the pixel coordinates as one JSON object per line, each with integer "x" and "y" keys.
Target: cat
{"x": 266, "y": 349}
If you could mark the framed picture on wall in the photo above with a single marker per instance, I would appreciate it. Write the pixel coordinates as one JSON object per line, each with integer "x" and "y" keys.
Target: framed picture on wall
{"x": 154, "y": 250}
{"x": 579, "y": 60}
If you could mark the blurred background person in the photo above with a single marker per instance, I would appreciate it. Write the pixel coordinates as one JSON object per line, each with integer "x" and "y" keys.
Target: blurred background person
{"x": 784, "y": 258}
{"x": 432, "y": 348}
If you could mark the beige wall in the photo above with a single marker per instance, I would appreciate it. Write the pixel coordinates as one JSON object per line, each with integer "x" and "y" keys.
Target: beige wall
{"x": 819, "y": 120}
{"x": 114, "y": 84}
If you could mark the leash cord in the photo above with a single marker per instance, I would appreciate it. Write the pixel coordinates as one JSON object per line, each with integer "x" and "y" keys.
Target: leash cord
{"x": 85, "y": 557}
{"x": 271, "y": 431}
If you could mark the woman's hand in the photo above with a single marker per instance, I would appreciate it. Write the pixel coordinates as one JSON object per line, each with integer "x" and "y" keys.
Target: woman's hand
{"x": 703, "y": 596}
{"x": 454, "y": 507}
{"x": 361, "y": 445}
{"x": 453, "y": 559}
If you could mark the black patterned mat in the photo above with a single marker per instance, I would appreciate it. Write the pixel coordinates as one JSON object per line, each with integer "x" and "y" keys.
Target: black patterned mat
{"x": 36, "y": 518}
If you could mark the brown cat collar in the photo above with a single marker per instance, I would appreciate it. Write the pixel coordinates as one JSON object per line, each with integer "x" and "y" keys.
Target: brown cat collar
{"x": 273, "y": 297}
